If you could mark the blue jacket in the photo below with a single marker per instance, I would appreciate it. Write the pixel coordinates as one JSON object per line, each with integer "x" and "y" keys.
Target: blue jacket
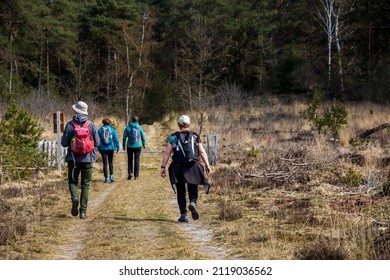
{"x": 141, "y": 142}
{"x": 69, "y": 134}
{"x": 114, "y": 144}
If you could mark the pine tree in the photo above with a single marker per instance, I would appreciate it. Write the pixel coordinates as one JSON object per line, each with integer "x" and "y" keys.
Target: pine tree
{"x": 19, "y": 135}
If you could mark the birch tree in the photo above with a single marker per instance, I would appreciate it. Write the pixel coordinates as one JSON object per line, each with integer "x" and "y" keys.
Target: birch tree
{"x": 326, "y": 19}
{"x": 133, "y": 67}
{"x": 330, "y": 21}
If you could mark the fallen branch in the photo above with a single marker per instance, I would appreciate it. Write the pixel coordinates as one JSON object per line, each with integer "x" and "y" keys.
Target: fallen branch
{"x": 374, "y": 130}
{"x": 279, "y": 176}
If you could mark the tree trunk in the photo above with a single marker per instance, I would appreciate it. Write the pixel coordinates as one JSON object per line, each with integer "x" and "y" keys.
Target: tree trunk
{"x": 131, "y": 74}
{"x": 47, "y": 61}
{"x": 338, "y": 46}
{"x": 326, "y": 20}
{"x": 329, "y": 12}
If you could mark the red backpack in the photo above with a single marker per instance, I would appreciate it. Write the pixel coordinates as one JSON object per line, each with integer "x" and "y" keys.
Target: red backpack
{"x": 82, "y": 143}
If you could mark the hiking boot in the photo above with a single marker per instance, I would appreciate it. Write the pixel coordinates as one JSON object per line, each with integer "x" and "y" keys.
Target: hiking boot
{"x": 129, "y": 177}
{"x": 194, "y": 213}
{"x": 83, "y": 215}
{"x": 183, "y": 218}
{"x": 135, "y": 178}
{"x": 106, "y": 180}
{"x": 75, "y": 205}
{"x": 112, "y": 178}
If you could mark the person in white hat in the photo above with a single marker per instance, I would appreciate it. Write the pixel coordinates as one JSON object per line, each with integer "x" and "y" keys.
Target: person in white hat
{"x": 80, "y": 156}
{"x": 81, "y": 108}
{"x": 185, "y": 167}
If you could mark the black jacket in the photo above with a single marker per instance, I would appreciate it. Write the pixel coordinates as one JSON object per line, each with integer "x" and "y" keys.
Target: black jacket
{"x": 193, "y": 174}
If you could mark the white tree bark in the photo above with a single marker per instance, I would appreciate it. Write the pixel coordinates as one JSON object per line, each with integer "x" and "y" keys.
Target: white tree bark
{"x": 131, "y": 74}
{"x": 338, "y": 46}
{"x": 330, "y": 21}
{"x": 325, "y": 17}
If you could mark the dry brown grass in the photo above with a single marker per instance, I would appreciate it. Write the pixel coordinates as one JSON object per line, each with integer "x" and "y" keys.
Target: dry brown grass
{"x": 278, "y": 192}
{"x": 133, "y": 220}
{"x": 27, "y": 208}
{"x": 333, "y": 200}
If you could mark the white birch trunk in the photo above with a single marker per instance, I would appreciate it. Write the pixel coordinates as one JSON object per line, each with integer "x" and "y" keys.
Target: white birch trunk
{"x": 338, "y": 46}
{"x": 131, "y": 74}
{"x": 325, "y": 18}
{"x": 329, "y": 13}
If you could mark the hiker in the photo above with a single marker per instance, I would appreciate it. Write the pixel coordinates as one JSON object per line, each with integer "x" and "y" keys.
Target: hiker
{"x": 108, "y": 144}
{"x": 81, "y": 137}
{"x": 185, "y": 167}
{"x": 133, "y": 140}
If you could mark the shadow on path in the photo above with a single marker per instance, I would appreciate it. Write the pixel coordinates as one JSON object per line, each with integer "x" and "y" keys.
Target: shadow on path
{"x": 144, "y": 220}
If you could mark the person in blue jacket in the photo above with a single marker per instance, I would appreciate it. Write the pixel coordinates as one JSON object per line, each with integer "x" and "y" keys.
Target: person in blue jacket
{"x": 133, "y": 141}
{"x": 109, "y": 143}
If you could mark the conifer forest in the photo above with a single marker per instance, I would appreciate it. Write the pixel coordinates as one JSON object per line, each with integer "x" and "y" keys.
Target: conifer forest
{"x": 159, "y": 56}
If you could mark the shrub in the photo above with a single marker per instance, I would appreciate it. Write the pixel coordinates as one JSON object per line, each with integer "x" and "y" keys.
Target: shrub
{"x": 332, "y": 120}
{"x": 321, "y": 250}
{"x": 352, "y": 178}
{"x": 230, "y": 211}
{"x": 254, "y": 153}
{"x": 380, "y": 247}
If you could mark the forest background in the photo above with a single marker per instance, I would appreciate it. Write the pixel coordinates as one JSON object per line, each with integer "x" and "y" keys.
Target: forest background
{"x": 249, "y": 59}
{"x": 159, "y": 56}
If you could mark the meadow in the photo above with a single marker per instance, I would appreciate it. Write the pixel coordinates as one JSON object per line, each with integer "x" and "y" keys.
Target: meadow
{"x": 280, "y": 190}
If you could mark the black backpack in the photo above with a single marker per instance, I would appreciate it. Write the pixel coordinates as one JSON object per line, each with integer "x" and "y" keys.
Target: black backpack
{"x": 185, "y": 150}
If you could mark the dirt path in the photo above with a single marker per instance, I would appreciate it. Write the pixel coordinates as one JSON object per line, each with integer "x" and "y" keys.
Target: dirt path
{"x": 137, "y": 219}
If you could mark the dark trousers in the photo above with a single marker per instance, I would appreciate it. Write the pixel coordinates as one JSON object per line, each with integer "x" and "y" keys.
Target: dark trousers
{"x": 108, "y": 156}
{"x": 181, "y": 195}
{"x": 74, "y": 170}
{"x": 133, "y": 156}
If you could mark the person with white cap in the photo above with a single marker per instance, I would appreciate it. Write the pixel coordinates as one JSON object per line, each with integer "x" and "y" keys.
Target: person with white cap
{"x": 80, "y": 156}
{"x": 185, "y": 167}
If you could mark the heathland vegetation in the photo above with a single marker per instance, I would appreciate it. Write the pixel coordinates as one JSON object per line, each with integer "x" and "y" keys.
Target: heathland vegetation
{"x": 290, "y": 88}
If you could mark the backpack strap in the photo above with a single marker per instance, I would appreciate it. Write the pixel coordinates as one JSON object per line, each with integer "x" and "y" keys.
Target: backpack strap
{"x": 78, "y": 125}
{"x": 75, "y": 124}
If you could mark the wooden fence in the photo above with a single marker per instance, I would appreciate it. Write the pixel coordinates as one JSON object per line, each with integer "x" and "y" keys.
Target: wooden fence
{"x": 49, "y": 149}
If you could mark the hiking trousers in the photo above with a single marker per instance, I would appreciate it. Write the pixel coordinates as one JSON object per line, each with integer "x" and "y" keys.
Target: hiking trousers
{"x": 108, "y": 157}
{"x": 74, "y": 171}
{"x": 133, "y": 157}
{"x": 181, "y": 195}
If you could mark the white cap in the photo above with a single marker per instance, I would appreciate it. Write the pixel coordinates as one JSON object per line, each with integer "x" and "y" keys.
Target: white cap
{"x": 81, "y": 107}
{"x": 184, "y": 120}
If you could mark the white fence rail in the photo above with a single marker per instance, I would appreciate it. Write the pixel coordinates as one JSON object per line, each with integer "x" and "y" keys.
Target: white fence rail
{"x": 49, "y": 149}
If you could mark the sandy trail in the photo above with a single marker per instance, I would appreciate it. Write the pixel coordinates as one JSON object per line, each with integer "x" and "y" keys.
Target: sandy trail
{"x": 77, "y": 235}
